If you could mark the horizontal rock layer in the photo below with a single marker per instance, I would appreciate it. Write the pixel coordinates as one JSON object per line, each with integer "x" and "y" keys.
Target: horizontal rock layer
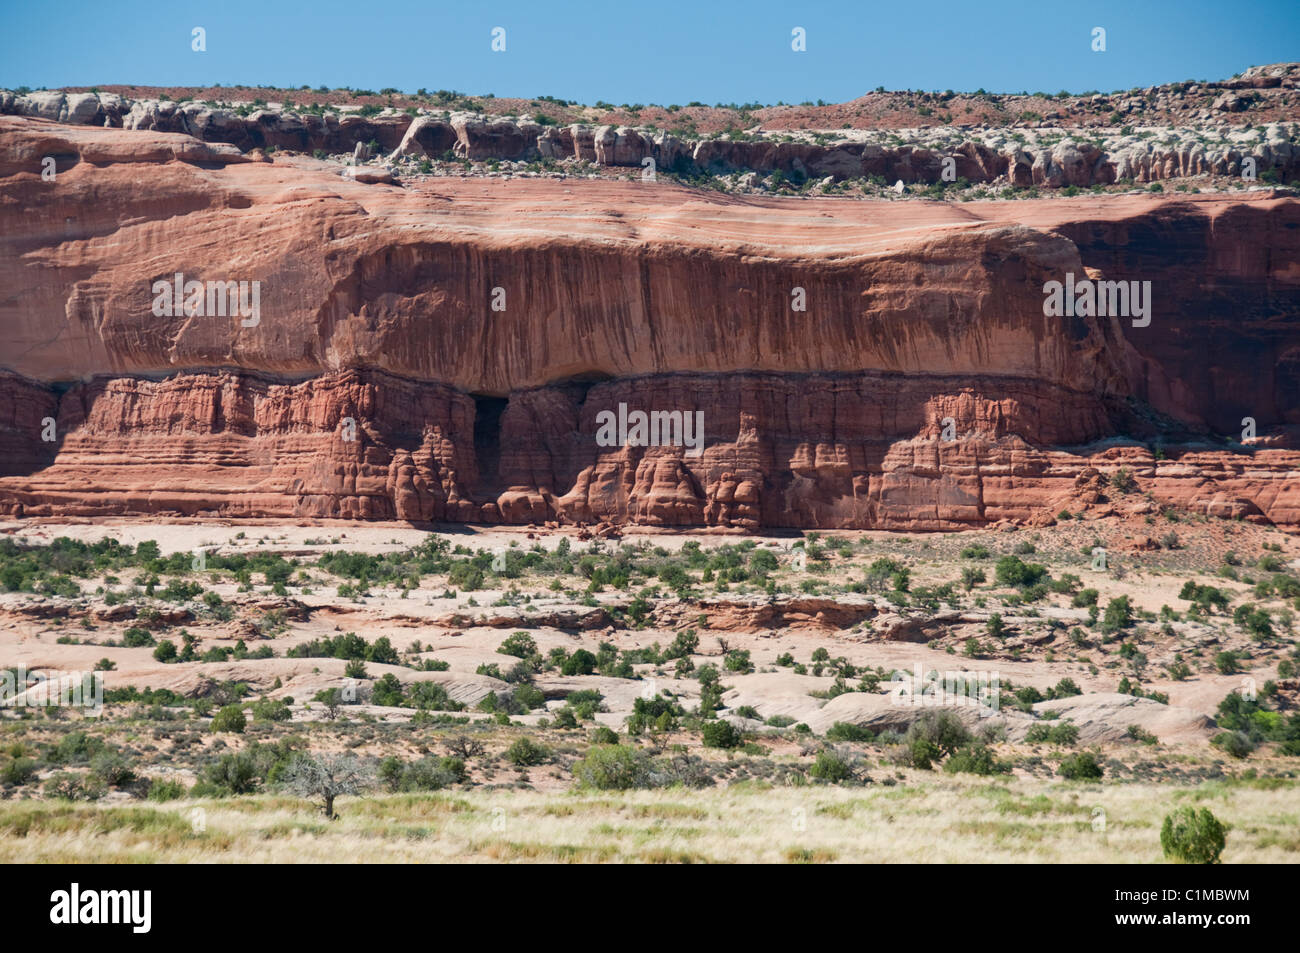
{"x": 1071, "y": 162}
{"x": 472, "y": 331}
{"x": 827, "y": 451}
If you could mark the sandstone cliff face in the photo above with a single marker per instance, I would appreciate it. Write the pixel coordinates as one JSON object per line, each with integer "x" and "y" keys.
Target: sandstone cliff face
{"x": 377, "y": 322}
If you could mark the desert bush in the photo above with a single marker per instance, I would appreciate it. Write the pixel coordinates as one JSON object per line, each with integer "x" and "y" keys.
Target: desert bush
{"x": 1235, "y": 743}
{"x": 975, "y": 759}
{"x": 604, "y": 735}
{"x": 70, "y": 787}
{"x": 943, "y": 729}
{"x": 74, "y": 748}
{"x": 327, "y": 777}
{"x": 427, "y": 774}
{"x": 720, "y": 734}
{"x": 1226, "y": 663}
{"x": 166, "y": 790}
{"x": 270, "y": 710}
{"x": 581, "y": 662}
{"x": 529, "y": 697}
{"x": 465, "y": 747}
{"x": 684, "y": 769}
{"x": 1063, "y": 734}
{"x": 844, "y": 731}
{"x": 112, "y": 767}
{"x": 1012, "y": 571}
{"x": 737, "y": 660}
{"x": 230, "y": 718}
{"x": 518, "y": 644}
{"x": 1065, "y": 688}
{"x": 1082, "y": 766}
{"x": 683, "y": 645}
{"x": 1189, "y": 836}
{"x": 233, "y": 774}
{"x": 832, "y": 767}
{"x": 525, "y": 753}
{"x": 613, "y": 768}
{"x": 134, "y": 638}
{"x": 918, "y": 753}
{"x": 17, "y": 771}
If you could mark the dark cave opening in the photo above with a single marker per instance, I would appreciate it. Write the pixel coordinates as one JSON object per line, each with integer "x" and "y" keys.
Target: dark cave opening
{"x": 487, "y": 439}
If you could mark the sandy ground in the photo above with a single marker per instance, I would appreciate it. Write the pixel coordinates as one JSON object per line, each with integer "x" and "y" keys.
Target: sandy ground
{"x": 425, "y": 615}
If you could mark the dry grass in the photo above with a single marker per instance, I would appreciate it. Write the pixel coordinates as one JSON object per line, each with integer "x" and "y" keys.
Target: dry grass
{"x": 941, "y": 820}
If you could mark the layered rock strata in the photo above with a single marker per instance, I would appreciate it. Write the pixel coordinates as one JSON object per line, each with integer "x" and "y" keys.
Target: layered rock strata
{"x": 444, "y": 351}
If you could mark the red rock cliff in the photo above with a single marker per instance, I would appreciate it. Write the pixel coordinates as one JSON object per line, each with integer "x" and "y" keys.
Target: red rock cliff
{"x": 377, "y": 307}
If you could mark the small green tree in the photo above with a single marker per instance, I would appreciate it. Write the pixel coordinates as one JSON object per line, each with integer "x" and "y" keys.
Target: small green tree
{"x": 1119, "y": 615}
{"x": 519, "y": 644}
{"x": 1189, "y": 836}
{"x": 720, "y": 734}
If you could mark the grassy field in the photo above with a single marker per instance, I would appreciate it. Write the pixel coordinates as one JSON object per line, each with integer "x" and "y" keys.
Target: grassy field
{"x": 947, "y": 820}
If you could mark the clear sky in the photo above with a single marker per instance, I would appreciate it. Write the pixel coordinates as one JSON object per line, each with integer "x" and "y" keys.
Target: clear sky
{"x": 668, "y": 51}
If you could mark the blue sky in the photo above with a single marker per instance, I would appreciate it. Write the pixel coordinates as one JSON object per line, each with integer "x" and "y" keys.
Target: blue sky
{"x": 662, "y": 52}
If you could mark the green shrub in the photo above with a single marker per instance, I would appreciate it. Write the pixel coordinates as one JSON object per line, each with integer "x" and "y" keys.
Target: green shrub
{"x": 1012, "y": 571}
{"x": 528, "y": 697}
{"x": 1063, "y": 734}
{"x": 943, "y": 729}
{"x": 230, "y": 718}
{"x": 427, "y": 774}
{"x": 1226, "y": 663}
{"x": 17, "y": 771}
{"x": 720, "y": 734}
{"x": 580, "y": 662}
{"x": 519, "y": 644}
{"x": 112, "y": 768}
{"x": 525, "y": 753}
{"x": 1235, "y": 743}
{"x": 1189, "y": 836}
{"x": 612, "y": 768}
{"x": 1082, "y": 766}
{"x": 1084, "y": 598}
{"x": 271, "y": 709}
{"x": 831, "y": 767}
{"x": 921, "y": 753}
{"x": 134, "y": 638}
{"x": 166, "y": 790}
{"x": 232, "y": 774}
{"x": 70, "y": 787}
{"x": 737, "y": 660}
{"x": 975, "y": 759}
{"x": 604, "y": 735}
{"x": 1119, "y": 615}
{"x": 844, "y": 731}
